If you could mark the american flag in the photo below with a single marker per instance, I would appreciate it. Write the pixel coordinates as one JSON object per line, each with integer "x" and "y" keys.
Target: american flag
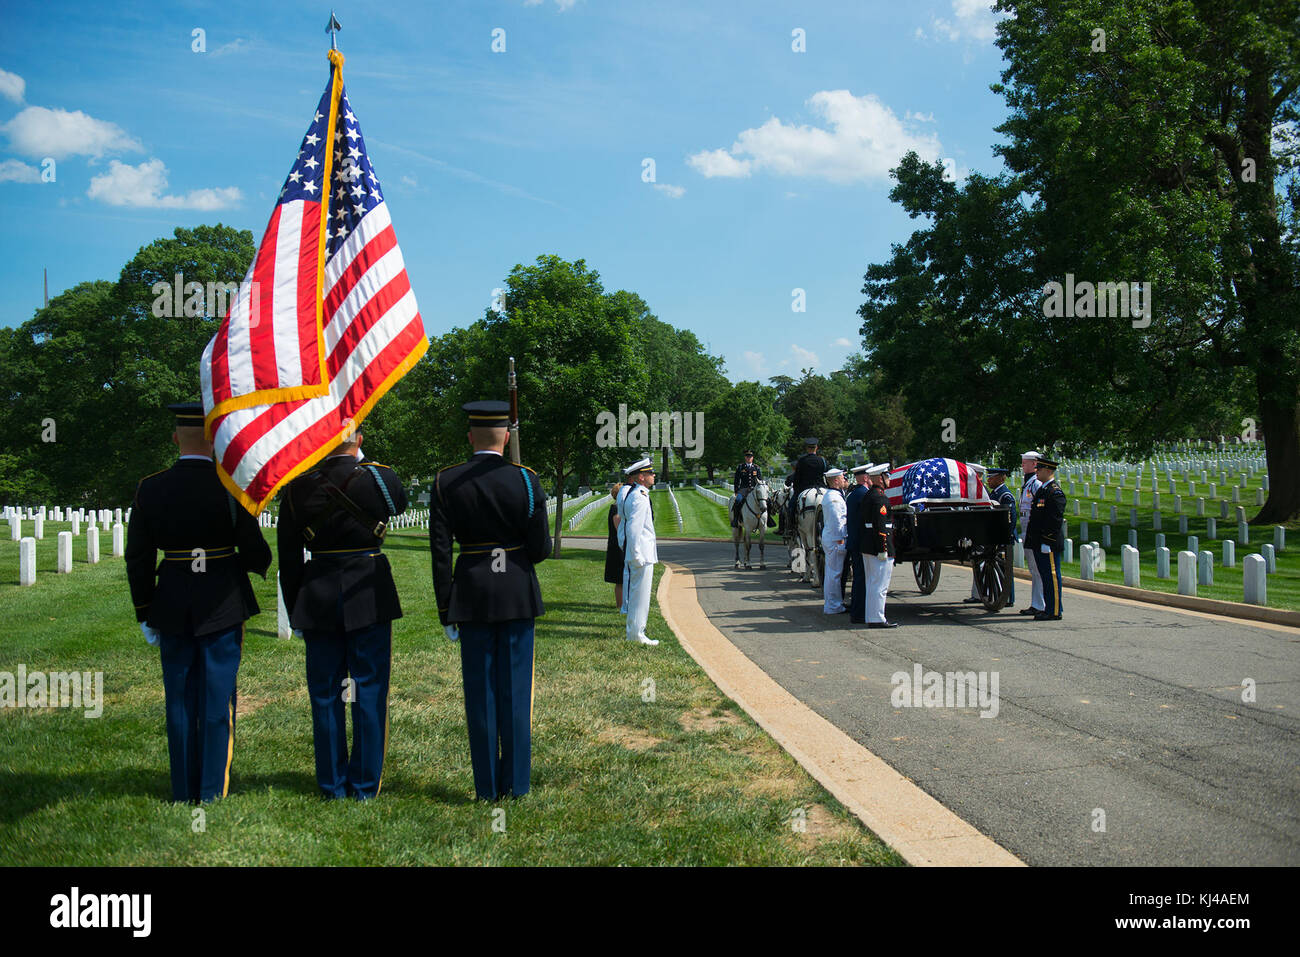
{"x": 325, "y": 322}
{"x": 935, "y": 478}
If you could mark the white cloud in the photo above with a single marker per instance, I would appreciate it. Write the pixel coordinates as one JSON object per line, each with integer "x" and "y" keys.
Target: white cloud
{"x": 918, "y": 117}
{"x": 237, "y": 45}
{"x": 408, "y": 181}
{"x": 864, "y": 141}
{"x": 842, "y": 343}
{"x": 972, "y": 20}
{"x": 41, "y": 132}
{"x": 143, "y": 186}
{"x": 561, "y": 5}
{"x": 718, "y": 163}
{"x": 16, "y": 171}
{"x": 675, "y": 192}
{"x": 757, "y": 362}
{"x": 12, "y": 86}
{"x": 800, "y": 358}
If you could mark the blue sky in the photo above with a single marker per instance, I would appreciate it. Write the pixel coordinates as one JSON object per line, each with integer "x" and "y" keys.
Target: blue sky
{"x": 771, "y": 166}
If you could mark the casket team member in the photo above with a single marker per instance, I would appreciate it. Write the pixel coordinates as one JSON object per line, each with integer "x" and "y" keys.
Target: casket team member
{"x": 641, "y": 551}
{"x": 878, "y": 547}
{"x": 1029, "y": 466}
{"x": 194, "y": 604}
{"x": 344, "y": 603}
{"x": 496, "y": 511}
{"x": 833, "y": 536}
{"x": 1043, "y": 538}
{"x": 853, "y": 517}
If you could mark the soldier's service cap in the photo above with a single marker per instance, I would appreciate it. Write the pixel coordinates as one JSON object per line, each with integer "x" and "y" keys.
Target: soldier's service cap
{"x": 880, "y": 469}
{"x": 189, "y": 415}
{"x": 859, "y": 469}
{"x": 810, "y": 442}
{"x": 1046, "y": 463}
{"x": 1029, "y": 455}
{"x": 644, "y": 465}
{"x": 831, "y": 473}
{"x": 747, "y": 452}
{"x": 999, "y": 470}
{"x": 488, "y": 414}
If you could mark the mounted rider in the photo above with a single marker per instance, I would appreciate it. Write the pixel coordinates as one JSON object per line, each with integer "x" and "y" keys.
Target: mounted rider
{"x": 809, "y": 472}
{"x": 746, "y": 478}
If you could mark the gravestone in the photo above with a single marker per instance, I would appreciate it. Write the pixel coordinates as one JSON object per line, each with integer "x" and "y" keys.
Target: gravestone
{"x": 1243, "y": 533}
{"x": 1128, "y": 560}
{"x": 1160, "y": 540}
{"x": 1114, "y": 515}
{"x": 1098, "y": 557}
{"x": 1133, "y": 518}
{"x": 76, "y": 525}
{"x": 1279, "y": 538}
{"x": 1086, "y": 566}
{"x": 27, "y": 561}
{"x": 1105, "y": 536}
{"x": 92, "y": 545}
{"x": 1083, "y": 530}
{"x": 1077, "y": 506}
{"x": 1223, "y": 508}
{"x": 1236, "y": 494}
{"x": 1254, "y": 580}
{"x": 1067, "y": 555}
{"x": 1155, "y": 501}
{"x": 1211, "y": 528}
{"x": 1093, "y": 511}
{"x": 282, "y": 627}
{"x": 1187, "y": 573}
{"x": 1182, "y": 524}
{"x": 1155, "y": 520}
{"x": 15, "y": 528}
{"x": 119, "y": 534}
{"x": 1162, "y": 563}
{"x": 65, "y": 552}
{"x": 1191, "y": 490}
{"x": 1270, "y": 558}
{"x": 1259, "y": 496}
{"x": 1229, "y": 554}
{"x": 1205, "y": 568}
{"x": 1264, "y": 483}
{"x": 1214, "y": 491}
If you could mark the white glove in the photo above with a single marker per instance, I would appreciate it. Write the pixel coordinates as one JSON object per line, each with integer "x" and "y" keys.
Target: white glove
{"x": 453, "y": 632}
{"x": 1044, "y": 549}
{"x": 151, "y": 635}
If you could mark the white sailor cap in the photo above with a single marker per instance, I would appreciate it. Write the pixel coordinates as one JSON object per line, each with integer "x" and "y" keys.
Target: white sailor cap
{"x": 880, "y": 469}
{"x": 859, "y": 469}
{"x": 831, "y": 473}
{"x": 642, "y": 465}
{"x": 977, "y": 467}
{"x": 1030, "y": 455}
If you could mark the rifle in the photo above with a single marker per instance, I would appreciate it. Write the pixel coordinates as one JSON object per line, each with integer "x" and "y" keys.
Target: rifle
{"x": 514, "y": 413}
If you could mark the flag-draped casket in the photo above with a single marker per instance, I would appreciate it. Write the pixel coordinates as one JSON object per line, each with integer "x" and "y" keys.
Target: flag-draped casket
{"x": 936, "y": 481}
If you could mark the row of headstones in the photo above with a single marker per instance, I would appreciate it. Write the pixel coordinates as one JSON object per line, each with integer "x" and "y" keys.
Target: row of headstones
{"x": 38, "y": 517}
{"x": 1211, "y": 528}
{"x": 1072, "y": 487}
{"x": 1243, "y": 469}
{"x": 1195, "y": 566}
{"x": 27, "y": 552}
{"x": 412, "y": 518}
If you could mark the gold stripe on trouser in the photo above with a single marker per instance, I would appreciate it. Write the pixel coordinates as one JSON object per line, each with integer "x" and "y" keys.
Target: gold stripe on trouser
{"x": 532, "y": 687}
{"x": 230, "y": 748}
{"x": 1056, "y": 589}
{"x": 384, "y": 759}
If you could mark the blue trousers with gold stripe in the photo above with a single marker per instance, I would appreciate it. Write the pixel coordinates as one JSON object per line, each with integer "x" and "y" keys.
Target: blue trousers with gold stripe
{"x": 365, "y": 654}
{"x": 496, "y": 664}
{"x": 199, "y": 689}
{"x": 1049, "y": 569}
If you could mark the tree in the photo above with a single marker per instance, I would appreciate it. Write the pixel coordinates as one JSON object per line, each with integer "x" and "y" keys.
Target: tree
{"x": 740, "y": 417}
{"x": 815, "y": 407}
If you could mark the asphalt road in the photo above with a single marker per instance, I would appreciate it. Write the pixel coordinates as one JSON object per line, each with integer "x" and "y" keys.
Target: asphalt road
{"x": 1123, "y": 717}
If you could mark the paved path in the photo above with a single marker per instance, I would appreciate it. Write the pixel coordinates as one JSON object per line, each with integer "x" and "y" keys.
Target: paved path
{"x": 1127, "y": 710}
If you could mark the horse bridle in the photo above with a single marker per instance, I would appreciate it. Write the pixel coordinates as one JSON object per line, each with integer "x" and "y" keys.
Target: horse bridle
{"x": 744, "y": 507}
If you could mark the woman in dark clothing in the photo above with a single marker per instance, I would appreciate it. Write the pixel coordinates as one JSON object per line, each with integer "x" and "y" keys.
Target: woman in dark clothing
{"x": 613, "y": 553}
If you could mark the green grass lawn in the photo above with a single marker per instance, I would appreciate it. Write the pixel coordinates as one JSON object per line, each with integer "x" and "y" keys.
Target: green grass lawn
{"x": 700, "y": 517}
{"x": 1283, "y": 586}
{"x": 685, "y": 778}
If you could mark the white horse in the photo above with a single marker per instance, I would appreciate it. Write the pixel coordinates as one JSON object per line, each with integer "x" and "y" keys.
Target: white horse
{"x": 754, "y": 509}
{"x": 807, "y": 520}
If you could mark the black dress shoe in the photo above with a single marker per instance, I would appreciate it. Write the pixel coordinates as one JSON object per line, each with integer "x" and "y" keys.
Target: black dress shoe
{"x": 1047, "y": 617}
{"x": 971, "y": 601}
{"x": 1031, "y": 610}
{"x": 857, "y": 621}
{"x": 882, "y": 624}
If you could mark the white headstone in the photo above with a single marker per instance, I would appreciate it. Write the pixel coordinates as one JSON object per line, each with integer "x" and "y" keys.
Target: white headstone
{"x": 1098, "y": 557}
{"x": 1270, "y": 558}
{"x": 119, "y": 536}
{"x": 1254, "y": 577}
{"x": 1155, "y": 520}
{"x": 1086, "y": 564}
{"x": 1243, "y": 533}
{"x": 1187, "y": 573}
{"x": 1133, "y": 518}
{"x": 1191, "y": 489}
{"x": 1092, "y": 511}
{"x": 15, "y": 528}
{"x": 1155, "y": 500}
{"x": 1068, "y": 552}
{"x": 1162, "y": 563}
{"x": 1264, "y": 482}
{"x": 1193, "y": 543}
{"x": 76, "y": 525}
{"x": 117, "y": 515}
{"x": 92, "y": 545}
{"x": 1077, "y": 506}
{"x": 1133, "y": 537}
{"x": 1229, "y": 554}
{"x": 1083, "y": 531}
{"x": 1236, "y": 494}
{"x": 1160, "y": 540}
{"x": 1279, "y": 538}
{"x": 1105, "y": 536}
{"x": 1214, "y": 491}
{"x": 1128, "y": 560}
{"x": 65, "y": 552}
{"x": 1114, "y": 515}
{"x": 27, "y": 561}
{"x": 282, "y": 626}
{"x": 1205, "y": 568}
{"x": 1211, "y": 528}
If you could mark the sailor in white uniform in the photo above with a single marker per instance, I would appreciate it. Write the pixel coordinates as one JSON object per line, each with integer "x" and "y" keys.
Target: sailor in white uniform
{"x": 621, "y": 524}
{"x": 641, "y": 553}
{"x": 834, "y": 533}
{"x": 1029, "y": 465}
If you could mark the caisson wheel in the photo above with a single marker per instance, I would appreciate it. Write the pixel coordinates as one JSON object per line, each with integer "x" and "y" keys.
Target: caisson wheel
{"x": 927, "y": 576}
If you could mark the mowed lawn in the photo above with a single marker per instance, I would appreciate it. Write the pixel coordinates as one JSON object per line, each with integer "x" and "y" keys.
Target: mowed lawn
{"x": 701, "y": 518}
{"x": 638, "y": 759}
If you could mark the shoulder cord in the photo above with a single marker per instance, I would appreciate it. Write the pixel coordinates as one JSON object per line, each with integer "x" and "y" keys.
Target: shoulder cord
{"x": 528, "y": 486}
{"x": 383, "y": 489}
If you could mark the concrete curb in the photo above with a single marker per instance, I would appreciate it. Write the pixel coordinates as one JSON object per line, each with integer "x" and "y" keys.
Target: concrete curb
{"x": 1211, "y": 606}
{"x": 913, "y": 823}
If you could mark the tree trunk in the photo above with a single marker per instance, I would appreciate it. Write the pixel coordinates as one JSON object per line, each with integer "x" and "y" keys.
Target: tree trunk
{"x": 1280, "y": 421}
{"x": 560, "y": 476}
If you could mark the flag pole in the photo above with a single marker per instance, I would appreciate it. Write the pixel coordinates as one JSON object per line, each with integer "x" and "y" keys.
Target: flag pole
{"x": 332, "y": 28}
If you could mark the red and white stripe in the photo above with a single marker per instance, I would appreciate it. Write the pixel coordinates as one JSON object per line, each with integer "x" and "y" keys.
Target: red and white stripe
{"x": 372, "y": 332}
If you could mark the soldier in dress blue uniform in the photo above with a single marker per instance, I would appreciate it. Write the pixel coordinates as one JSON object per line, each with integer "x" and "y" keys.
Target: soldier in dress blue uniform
{"x": 496, "y": 511}
{"x": 1043, "y": 538}
{"x": 194, "y": 604}
{"x": 809, "y": 472}
{"x": 343, "y": 602}
{"x": 747, "y": 476}
{"x": 854, "y": 501}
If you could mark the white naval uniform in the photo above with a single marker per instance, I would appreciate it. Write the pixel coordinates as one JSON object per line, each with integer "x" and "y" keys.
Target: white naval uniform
{"x": 834, "y": 530}
{"x": 1031, "y": 486}
{"x": 619, "y": 532}
{"x": 640, "y": 559}
{"x": 880, "y": 572}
